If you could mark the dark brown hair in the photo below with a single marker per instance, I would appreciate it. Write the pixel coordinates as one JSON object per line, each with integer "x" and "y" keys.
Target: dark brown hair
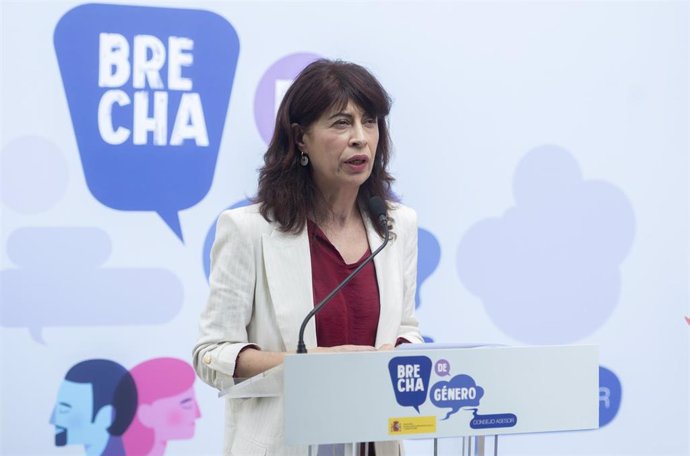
{"x": 287, "y": 192}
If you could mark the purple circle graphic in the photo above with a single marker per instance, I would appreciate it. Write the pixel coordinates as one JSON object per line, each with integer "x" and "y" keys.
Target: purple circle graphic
{"x": 34, "y": 175}
{"x": 272, "y": 87}
{"x": 442, "y": 368}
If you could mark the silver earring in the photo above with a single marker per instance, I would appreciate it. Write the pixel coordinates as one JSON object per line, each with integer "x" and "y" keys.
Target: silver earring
{"x": 304, "y": 159}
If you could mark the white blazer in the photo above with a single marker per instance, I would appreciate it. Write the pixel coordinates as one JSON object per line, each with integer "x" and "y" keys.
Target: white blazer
{"x": 261, "y": 290}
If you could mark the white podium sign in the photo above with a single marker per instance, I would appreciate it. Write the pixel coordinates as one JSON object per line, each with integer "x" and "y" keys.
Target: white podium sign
{"x": 375, "y": 396}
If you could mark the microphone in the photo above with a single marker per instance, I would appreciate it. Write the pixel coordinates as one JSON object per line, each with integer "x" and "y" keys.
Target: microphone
{"x": 378, "y": 207}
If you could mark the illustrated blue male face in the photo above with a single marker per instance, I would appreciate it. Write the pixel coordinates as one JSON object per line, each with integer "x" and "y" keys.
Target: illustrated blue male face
{"x": 73, "y": 413}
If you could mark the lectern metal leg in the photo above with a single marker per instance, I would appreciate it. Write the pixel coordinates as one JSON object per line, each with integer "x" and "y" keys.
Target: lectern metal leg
{"x": 480, "y": 445}
{"x": 477, "y": 446}
{"x": 435, "y": 447}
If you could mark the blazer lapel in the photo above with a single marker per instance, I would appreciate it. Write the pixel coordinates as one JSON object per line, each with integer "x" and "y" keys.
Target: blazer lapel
{"x": 386, "y": 276}
{"x": 288, "y": 272}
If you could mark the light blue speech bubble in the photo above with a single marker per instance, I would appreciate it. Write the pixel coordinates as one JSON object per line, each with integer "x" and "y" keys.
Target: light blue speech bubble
{"x": 548, "y": 269}
{"x": 148, "y": 91}
{"x": 59, "y": 282}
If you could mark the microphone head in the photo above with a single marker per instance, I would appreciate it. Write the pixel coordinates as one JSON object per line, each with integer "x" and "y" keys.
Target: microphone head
{"x": 378, "y": 208}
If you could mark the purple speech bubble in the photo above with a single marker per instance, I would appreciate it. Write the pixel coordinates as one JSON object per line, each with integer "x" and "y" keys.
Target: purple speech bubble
{"x": 442, "y": 368}
{"x": 272, "y": 87}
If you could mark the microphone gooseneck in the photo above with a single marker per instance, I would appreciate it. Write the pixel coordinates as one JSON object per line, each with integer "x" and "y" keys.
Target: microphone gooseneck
{"x": 377, "y": 207}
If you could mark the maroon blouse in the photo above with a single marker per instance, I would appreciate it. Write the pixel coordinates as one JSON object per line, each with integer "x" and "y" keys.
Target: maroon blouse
{"x": 352, "y": 316}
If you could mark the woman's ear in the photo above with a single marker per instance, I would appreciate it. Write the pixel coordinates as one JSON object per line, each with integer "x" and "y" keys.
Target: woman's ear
{"x": 298, "y": 134}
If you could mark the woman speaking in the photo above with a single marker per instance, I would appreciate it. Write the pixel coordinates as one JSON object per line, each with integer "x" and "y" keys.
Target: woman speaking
{"x": 310, "y": 227}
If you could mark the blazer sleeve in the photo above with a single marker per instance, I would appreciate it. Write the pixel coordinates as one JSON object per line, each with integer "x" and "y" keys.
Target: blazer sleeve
{"x": 409, "y": 326}
{"x": 223, "y": 323}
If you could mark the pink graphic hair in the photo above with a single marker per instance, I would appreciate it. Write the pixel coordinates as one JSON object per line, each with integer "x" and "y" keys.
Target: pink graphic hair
{"x": 156, "y": 379}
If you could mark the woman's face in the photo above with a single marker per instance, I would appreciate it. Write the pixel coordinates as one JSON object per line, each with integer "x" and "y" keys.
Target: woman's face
{"x": 174, "y": 417}
{"x": 341, "y": 146}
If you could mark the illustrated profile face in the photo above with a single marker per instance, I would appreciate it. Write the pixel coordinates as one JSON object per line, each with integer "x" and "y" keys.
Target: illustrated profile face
{"x": 73, "y": 415}
{"x": 172, "y": 417}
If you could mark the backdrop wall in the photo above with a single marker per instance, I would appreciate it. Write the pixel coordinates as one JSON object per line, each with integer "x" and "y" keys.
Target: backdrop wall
{"x": 544, "y": 146}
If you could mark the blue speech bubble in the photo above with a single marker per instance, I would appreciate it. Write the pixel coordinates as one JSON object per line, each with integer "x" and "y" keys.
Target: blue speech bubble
{"x": 211, "y": 236}
{"x": 492, "y": 420}
{"x": 610, "y": 395}
{"x": 148, "y": 91}
{"x": 461, "y": 391}
{"x": 410, "y": 378}
{"x": 429, "y": 258}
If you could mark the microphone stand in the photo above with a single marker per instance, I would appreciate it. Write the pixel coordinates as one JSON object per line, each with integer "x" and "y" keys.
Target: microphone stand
{"x": 383, "y": 221}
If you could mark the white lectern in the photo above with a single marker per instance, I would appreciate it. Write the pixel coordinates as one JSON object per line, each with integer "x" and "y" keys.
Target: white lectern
{"x": 434, "y": 392}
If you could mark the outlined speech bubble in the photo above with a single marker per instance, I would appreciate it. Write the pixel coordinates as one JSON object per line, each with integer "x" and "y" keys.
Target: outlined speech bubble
{"x": 410, "y": 378}
{"x": 59, "y": 282}
{"x": 148, "y": 91}
{"x": 461, "y": 391}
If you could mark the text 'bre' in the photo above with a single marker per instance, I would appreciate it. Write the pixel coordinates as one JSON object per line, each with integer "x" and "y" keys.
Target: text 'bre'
{"x": 144, "y": 64}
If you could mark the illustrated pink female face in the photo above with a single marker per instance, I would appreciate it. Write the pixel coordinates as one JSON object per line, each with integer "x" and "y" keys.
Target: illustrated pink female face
{"x": 173, "y": 417}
